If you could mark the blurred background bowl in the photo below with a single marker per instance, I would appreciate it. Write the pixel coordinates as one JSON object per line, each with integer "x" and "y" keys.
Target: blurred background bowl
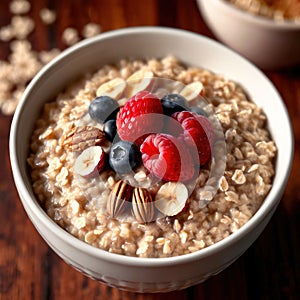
{"x": 148, "y": 274}
{"x": 268, "y": 43}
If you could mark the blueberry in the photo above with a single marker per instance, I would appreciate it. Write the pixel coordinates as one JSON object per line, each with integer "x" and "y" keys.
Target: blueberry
{"x": 199, "y": 111}
{"x": 110, "y": 129}
{"x": 103, "y": 108}
{"x": 172, "y": 103}
{"x": 124, "y": 157}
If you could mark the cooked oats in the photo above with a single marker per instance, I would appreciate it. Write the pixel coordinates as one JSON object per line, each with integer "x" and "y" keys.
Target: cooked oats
{"x": 279, "y": 10}
{"x": 79, "y": 204}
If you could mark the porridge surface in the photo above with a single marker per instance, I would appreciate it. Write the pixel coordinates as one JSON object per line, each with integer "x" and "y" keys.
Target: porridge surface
{"x": 78, "y": 204}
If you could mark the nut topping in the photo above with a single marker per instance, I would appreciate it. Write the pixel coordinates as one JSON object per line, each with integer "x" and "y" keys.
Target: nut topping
{"x": 171, "y": 198}
{"x": 119, "y": 195}
{"x": 113, "y": 88}
{"x": 192, "y": 90}
{"x": 142, "y": 205}
{"x": 80, "y": 138}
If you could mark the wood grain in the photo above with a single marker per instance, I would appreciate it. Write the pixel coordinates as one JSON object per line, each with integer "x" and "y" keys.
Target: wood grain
{"x": 29, "y": 269}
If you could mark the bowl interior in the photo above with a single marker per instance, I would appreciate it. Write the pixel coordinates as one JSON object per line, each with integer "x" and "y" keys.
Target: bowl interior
{"x": 149, "y": 42}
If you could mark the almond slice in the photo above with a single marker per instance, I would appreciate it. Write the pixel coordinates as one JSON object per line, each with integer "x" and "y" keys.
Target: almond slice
{"x": 113, "y": 88}
{"x": 139, "y": 81}
{"x": 192, "y": 90}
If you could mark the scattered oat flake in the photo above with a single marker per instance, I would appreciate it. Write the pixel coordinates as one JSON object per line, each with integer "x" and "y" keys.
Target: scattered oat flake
{"x": 19, "y": 7}
{"x": 9, "y": 106}
{"x": 223, "y": 184}
{"x": 70, "y": 36}
{"x": 238, "y": 177}
{"x": 48, "y": 16}
{"x": 90, "y": 30}
{"x": 6, "y": 33}
{"x": 47, "y": 56}
{"x": 22, "y": 26}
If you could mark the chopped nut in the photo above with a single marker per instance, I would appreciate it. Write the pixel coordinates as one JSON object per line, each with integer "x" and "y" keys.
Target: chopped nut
{"x": 83, "y": 137}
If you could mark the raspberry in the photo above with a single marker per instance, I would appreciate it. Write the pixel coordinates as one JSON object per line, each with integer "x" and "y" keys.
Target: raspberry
{"x": 167, "y": 158}
{"x": 198, "y": 131}
{"x": 139, "y": 117}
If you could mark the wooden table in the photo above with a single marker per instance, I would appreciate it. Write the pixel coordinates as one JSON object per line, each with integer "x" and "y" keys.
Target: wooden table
{"x": 29, "y": 269}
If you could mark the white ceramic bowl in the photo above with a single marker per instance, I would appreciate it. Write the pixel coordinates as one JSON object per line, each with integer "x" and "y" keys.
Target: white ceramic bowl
{"x": 148, "y": 274}
{"x": 268, "y": 44}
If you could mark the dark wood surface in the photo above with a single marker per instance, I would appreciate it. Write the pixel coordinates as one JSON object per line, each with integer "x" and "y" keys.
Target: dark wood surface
{"x": 270, "y": 269}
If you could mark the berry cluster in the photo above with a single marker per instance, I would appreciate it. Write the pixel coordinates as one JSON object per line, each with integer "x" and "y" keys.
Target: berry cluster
{"x": 167, "y": 137}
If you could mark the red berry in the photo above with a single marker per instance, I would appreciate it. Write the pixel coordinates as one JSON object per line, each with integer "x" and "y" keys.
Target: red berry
{"x": 197, "y": 131}
{"x": 167, "y": 158}
{"x": 139, "y": 117}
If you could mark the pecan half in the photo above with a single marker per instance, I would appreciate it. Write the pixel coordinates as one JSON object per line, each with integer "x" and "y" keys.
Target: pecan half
{"x": 80, "y": 138}
{"x": 118, "y": 198}
{"x": 142, "y": 205}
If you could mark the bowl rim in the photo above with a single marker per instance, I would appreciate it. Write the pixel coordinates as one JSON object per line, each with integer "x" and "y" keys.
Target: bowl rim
{"x": 73, "y": 241}
{"x": 239, "y": 13}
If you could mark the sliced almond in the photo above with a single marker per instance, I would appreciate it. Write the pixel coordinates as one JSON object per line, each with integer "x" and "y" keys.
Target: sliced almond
{"x": 138, "y": 81}
{"x": 171, "y": 198}
{"x": 192, "y": 90}
{"x": 113, "y": 88}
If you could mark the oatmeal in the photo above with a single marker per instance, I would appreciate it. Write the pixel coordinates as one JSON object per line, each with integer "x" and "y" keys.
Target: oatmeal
{"x": 182, "y": 212}
{"x": 274, "y": 9}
